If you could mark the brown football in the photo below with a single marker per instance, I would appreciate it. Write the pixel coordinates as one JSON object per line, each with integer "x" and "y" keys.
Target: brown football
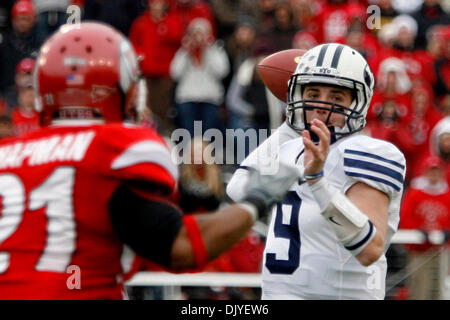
{"x": 276, "y": 70}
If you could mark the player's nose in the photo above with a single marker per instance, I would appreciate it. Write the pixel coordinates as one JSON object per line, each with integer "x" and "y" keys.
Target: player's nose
{"x": 321, "y": 111}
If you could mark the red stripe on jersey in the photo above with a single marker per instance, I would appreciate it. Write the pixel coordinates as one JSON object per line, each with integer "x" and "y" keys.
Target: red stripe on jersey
{"x": 195, "y": 236}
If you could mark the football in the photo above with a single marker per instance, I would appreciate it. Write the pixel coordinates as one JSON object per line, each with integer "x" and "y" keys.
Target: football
{"x": 276, "y": 70}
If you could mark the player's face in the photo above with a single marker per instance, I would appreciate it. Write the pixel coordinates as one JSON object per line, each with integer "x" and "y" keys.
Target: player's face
{"x": 23, "y": 23}
{"x": 341, "y": 96}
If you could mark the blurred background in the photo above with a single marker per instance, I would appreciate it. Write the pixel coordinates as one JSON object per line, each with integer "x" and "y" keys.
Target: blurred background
{"x": 198, "y": 58}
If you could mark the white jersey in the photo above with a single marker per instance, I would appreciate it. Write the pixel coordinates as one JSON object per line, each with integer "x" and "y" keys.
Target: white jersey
{"x": 303, "y": 258}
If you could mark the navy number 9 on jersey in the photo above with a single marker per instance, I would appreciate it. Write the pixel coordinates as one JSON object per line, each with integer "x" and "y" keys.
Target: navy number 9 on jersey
{"x": 288, "y": 231}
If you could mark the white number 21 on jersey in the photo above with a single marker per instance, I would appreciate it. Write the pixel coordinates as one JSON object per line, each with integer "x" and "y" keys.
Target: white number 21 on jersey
{"x": 55, "y": 194}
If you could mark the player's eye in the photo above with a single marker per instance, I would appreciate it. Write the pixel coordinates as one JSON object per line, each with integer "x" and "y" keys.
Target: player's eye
{"x": 337, "y": 98}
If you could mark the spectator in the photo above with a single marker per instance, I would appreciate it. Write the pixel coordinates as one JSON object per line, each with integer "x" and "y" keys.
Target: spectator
{"x": 156, "y": 36}
{"x": 436, "y": 41}
{"x": 227, "y": 13}
{"x": 284, "y": 28}
{"x": 199, "y": 67}
{"x": 393, "y": 83}
{"x": 200, "y": 185}
{"x": 24, "y": 117}
{"x": 429, "y": 14}
{"x": 413, "y": 134}
{"x": 360, "y": 39}
{"x": 246, "y": 86}
{"x": 386, "y": 37}
{"x": 305, "y": 15}
{"x": 426, "y": 206}
{"x": 51, "y": 14}
{"x": 393, "y": 78}
{"x": 23, "y": 77}
{"x": 250, "y": 104}
{"x": 335, "y": 19}
{"x": 20, "y": 43}
{"x": 118, "y": 13}
{"x": 385, "y": 125}
{"x": 440, "y": 143}
{"x": 418, "y": 62}
{"x": 240, "y": 45}
{"x": 358, "y": 36}
{"x": 265, "y": 15}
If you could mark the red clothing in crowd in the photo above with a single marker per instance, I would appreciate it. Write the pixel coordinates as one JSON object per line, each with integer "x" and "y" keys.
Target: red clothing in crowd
{"x": 425, "y": 211}
{"x": 413, "y": 137}
{"x": 197, "y": 9}
{"x": 419, "y": 63}
{"x": 156, "y": 42}
{"x": 24, "y": 122}
{"x": 335, "y": 19}
{"x": 403, "y": 102}
{"x": 383, "y": 130}
{"x": 78, "y": 2}
{"x": 245, "y": 256}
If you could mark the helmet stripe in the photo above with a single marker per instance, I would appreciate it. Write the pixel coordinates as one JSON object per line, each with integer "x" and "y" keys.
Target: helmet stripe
{"x": 322, "y": 52}
{"x": 337, "y": 56}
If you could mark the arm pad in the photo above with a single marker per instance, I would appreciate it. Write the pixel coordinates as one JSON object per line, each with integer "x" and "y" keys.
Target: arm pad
{"x": 352, "y": 227}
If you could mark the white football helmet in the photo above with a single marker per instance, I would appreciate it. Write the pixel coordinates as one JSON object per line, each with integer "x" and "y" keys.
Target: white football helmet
{"x": 331, "y": 64}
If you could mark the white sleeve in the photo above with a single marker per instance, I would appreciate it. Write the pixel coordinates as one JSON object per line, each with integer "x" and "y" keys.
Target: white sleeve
{"x": 236, "y": 186}
{"x": 377, "y": 163}
{"x": 259, "y": 159}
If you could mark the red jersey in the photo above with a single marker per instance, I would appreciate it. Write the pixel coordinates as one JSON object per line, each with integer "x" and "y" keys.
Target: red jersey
{"x": 56, "y": 237}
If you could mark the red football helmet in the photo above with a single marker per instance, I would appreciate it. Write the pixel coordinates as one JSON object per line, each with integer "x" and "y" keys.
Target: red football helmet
{"x": 89, "y": 71}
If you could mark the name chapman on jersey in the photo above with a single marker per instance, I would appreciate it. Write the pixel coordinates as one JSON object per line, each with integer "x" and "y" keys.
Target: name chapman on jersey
{"x": 68, "y": 147}
{"x": 230, "y": 309}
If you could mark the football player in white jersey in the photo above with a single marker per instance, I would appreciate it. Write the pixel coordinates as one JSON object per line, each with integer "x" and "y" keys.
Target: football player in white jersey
{"x": 329, "y": 236}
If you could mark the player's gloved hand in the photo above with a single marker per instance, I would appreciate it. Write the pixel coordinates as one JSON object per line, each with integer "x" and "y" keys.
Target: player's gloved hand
{"x": 263, "y": 191}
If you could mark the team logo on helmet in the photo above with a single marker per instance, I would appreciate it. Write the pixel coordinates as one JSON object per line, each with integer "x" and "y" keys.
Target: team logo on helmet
{"x": 100, "y": 93}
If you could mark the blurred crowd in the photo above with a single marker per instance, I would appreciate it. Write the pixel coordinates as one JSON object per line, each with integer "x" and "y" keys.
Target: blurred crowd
{"x": 198, "y": 59}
